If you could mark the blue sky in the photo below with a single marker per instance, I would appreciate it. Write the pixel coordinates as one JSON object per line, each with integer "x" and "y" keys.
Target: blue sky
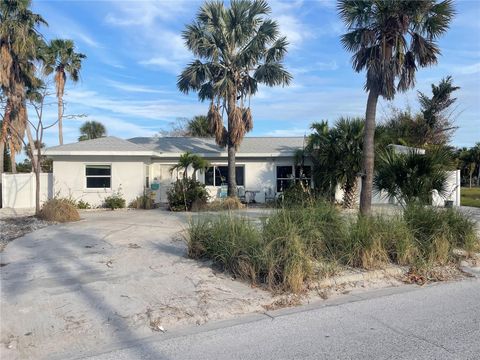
{"x": 135, "y": 53}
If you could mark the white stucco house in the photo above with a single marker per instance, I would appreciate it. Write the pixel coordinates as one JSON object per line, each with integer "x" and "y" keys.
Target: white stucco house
{"x": 94, "y": 169}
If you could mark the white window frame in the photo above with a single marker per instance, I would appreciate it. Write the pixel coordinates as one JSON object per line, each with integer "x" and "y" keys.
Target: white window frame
{"x": 97, "y": 176}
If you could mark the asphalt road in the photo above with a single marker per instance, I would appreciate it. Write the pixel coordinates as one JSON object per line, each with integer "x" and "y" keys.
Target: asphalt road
{"x": 440, "y": 321}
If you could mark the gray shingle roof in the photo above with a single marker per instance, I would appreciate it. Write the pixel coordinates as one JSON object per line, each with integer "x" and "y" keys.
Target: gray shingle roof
{"x": 178, "y": 145}
{"x": 109, "y": 143}
{"x": 250, "y": 145}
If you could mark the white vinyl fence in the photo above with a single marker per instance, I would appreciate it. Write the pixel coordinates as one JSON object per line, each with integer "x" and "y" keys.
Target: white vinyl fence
{"x": 18, "y": 190}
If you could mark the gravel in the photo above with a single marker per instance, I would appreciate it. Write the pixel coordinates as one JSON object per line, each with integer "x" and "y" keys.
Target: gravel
{"x": 12, "y": 228}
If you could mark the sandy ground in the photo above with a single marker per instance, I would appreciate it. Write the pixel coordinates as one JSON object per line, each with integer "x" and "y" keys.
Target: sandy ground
{"x": 116, "y": 277}
{"x": 112, "y": 277}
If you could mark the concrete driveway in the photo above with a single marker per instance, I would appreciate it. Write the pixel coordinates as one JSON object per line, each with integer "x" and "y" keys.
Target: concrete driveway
{"x": 114, "y": 277}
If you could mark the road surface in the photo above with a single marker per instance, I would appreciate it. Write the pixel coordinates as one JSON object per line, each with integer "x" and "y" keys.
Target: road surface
{"x": 440, "y": 321}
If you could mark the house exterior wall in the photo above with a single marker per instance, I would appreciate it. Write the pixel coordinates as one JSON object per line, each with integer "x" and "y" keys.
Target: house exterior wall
{"x": 260, "y": 175}
{"x": 128, "y": 175}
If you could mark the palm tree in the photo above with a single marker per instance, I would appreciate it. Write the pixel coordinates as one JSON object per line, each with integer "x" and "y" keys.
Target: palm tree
{"x": 410, "y": 178}
{"x": 437, "y": 125}
{"x": 92, "y": 130}
{"x": 389, "y": 39}
{"x": 199, "y": 127}
{"x": 184, "y": 162}
{"x": 236, "y": 48}
{"x": 62, "y": 59}
{"x": 19, "y": 48}
{"x": 198, "y": 164}
{"x": 337, "y": 154}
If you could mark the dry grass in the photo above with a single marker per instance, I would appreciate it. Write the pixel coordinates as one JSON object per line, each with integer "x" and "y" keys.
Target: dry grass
{"x": 59, "y": 210}
{"x": 230, "y": 203}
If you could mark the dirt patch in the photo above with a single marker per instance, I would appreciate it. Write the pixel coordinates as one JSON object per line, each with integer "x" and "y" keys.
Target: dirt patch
{"x": 12, "y": 228}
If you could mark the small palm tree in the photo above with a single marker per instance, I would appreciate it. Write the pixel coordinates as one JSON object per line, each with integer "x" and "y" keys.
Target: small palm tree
{"x": 92, "y": 130}
{"x": 237, "y": 48}
{"x": 390, "y": 39}
{"x": 411, "y": 178}
{"x": 61, "y": 58}
{"x": 187, "y": 160}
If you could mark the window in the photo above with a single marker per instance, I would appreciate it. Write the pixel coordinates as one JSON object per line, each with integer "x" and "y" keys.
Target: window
{"x": 98, "y": 176}
{"x": 218, "y": 175}
{"x": 304, "y": 174}
{"x": 285, "y": 177}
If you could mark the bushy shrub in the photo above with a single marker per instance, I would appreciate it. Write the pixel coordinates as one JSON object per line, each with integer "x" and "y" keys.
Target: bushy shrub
{"x": 185, "y": 193}
{"x": 59, "y": 210}
{"x": 115, "y": 201}
{"x": 83, "y": 205}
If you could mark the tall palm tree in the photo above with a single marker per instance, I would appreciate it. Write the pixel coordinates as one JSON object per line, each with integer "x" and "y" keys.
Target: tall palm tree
{"x": 390, "y": 39}
{"x": 337, "y": 155}
{"x": 92, "y": 130}
{"x": 236, "y": 48}
{"x": 19, "y": 48}
{"x": 62, "y": 59}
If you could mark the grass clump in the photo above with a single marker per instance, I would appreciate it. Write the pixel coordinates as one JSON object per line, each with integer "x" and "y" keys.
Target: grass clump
{"x": 59, "y": 210}
{"x": 83, "y": 205}
{"x": 294, "y": 244}
{"x": 144, "y": 201}
{"x": 230, "y": 203}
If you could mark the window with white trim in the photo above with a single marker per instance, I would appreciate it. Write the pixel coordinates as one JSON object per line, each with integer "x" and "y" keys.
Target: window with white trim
{"x": 286, "y": 177}
{"x": 218, "y": 175}
{"x": 98, "y": 176}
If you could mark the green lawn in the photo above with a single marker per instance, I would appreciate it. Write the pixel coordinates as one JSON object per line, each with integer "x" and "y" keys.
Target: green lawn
{"x": 470, "y": 196}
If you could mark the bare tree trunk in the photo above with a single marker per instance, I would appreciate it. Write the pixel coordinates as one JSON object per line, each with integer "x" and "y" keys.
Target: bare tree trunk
{"x": 2, "y": 157}
{"x": 232, "y": 182}
{"x": 60, "y": 120}
{"x": 368, "y": 154}
{"x": 31, "y": 142}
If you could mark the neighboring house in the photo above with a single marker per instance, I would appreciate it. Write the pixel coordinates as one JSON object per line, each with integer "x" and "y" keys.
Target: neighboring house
{"x": 94, "y": 169}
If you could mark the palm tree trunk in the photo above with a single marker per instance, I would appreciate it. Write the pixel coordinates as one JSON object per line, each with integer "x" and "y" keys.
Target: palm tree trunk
{"x": 368, "y": 153}
{"x": 60, "y": 121}
{"x": 232, "y": 183}
{"x": 349, "y": 194}
{"x": 3, "y": 136}
{"x": 12, "y": 157}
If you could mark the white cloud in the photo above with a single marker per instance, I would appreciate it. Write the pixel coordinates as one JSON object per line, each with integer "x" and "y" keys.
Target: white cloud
{"x": 145, "y": 13}
{"x": 134, "y": 88}
{"x": 468, "y": 69}
{"x": 160, "y": 109}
